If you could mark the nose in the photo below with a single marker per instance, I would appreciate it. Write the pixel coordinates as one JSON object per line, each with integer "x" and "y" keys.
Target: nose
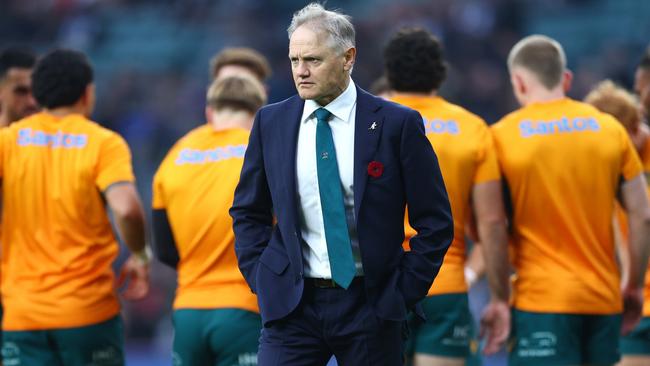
{"x": 302, "y": 70}
{"x": 31, "y": 101}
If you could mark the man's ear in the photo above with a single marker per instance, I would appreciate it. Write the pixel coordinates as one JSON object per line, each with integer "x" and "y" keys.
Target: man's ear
{"x": 567, "y": 80}
{"x": 208, "y": 114}
{"x": 350, "y": 57}
{"x": 518, "y": 83}
{"x": 83, "y": 99}
{"x": 89, "y": 99}
{"x": 3, "y": 88}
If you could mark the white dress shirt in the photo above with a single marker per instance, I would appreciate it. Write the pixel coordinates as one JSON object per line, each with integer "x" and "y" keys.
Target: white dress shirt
{"x": 314, "y": 246}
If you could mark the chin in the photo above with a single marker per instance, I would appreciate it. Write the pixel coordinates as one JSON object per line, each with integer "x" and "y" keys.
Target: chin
{"x": 306, "y": 94}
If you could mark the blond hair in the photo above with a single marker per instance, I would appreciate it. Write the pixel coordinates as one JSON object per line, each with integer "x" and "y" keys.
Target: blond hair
{"x": 542, "y": 56}
{"x": 614, "y": 100}
{"x": 241, "y": 92}
{"x": 241, "y": 56}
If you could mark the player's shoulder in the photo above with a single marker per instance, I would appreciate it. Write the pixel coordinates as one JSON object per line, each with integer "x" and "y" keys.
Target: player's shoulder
{"x": 604, "y": 121}
{"x": 463, "y": 116}
{"x": 195, "y": 133}
{"x": 27, "y": 122}
{"x": 187, "y": 140}
{"x": 508, "y": 121}
{"x": 102, "y": 133}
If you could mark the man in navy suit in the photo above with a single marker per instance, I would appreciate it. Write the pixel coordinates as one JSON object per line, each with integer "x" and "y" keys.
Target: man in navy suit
{"x": 337, "y": 167}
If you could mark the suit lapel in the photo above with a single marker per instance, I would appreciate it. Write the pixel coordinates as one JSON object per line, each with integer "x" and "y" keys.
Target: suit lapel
{"x": 288, "y": 153}
{"x": 367, "y": 130}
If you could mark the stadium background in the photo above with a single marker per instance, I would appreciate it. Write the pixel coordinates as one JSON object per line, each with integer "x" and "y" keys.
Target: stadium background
{"x": 151, "y": 65}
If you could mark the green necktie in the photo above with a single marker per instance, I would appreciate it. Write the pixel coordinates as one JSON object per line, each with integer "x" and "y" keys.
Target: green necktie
{"x": 339, "y": 247}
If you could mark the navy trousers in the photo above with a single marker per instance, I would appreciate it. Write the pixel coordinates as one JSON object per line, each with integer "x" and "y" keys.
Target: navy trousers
{"x": 333, "y": 321}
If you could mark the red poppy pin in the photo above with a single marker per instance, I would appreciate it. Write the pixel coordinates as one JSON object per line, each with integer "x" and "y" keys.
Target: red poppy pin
{"x": 375, "y": 169}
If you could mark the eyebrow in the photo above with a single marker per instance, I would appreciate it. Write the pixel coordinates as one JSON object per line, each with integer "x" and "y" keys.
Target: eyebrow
{"x": 306, "y": 57}
{"x": 22, "y": 89}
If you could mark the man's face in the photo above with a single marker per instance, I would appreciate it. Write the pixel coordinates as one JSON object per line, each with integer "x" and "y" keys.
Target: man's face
{"x": 642, "y": 88}
{"x": 16, "y": 97}
{"x": 319, "y": 72}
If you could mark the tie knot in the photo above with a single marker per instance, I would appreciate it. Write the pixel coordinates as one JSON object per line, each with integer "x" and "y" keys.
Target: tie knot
{"x": 322, "y": 115}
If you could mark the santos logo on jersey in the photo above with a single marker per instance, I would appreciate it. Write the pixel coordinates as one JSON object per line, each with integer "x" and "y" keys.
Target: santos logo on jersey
{"x": 29, "y": 137}
{"x": 193, "y": 156}
{"x": 440, "y": 126}
{"x": 529, "y": 128}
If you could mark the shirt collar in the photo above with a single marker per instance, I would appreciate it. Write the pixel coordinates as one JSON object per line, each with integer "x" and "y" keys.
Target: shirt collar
{"x": 341, "y": 107}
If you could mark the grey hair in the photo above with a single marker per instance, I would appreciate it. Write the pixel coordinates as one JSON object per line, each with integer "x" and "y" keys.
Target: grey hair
{"x": 336, "y": 24}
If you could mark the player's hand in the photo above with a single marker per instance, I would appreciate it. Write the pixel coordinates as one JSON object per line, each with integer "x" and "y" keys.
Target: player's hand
{"x": 134, "y": 272}
{"x": 495, "y": 326}
{"x": 632, "y": 307}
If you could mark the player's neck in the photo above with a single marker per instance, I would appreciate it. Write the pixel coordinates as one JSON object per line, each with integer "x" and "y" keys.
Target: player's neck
{"x": 228, "y": 119}
{"x": 66, "y": 110}
{"x": 409, "y": 94}
{"x": 543, "y": 95}
{"x": 4, "y": 120}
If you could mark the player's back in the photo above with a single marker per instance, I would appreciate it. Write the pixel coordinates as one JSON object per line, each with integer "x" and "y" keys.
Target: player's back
{"x": 465, "y": 152}
{"x": 57, "y": 241}
{"x": 194, "y": 185}
{"x": 563, "y": 162}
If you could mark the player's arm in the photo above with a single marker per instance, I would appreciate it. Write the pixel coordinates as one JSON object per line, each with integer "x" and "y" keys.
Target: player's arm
{"x": 635, "y": 200}
{"x": 163, "y": 239}
{"x": 475, "y": 264}
{"x": 470, "y": 227}
{"x": 622, "y": 252}
{"x": 492, "y": 233}
{"x": 491, "y": 227}
{"x": 123, "y": 200}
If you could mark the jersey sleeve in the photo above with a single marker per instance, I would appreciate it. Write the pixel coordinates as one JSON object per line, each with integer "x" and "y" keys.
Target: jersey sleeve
{"x": 4, "y": 141}
{"x": 630, "y": 163}
{"x": 158, "y": 196}
{"x": 487, "y": 167}
{"x": 114, "y": 163}
{"x": 158, "y": 199}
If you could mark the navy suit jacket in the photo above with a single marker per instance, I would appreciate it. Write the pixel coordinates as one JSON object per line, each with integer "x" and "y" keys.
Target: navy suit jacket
{"x": 269, "y": 252}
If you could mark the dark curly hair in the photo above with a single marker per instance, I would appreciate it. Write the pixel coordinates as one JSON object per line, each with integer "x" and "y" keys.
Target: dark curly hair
{"x": 414, "y": 62}
{"x": 16, "y": 57}
{"x": 60, "y": 78}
